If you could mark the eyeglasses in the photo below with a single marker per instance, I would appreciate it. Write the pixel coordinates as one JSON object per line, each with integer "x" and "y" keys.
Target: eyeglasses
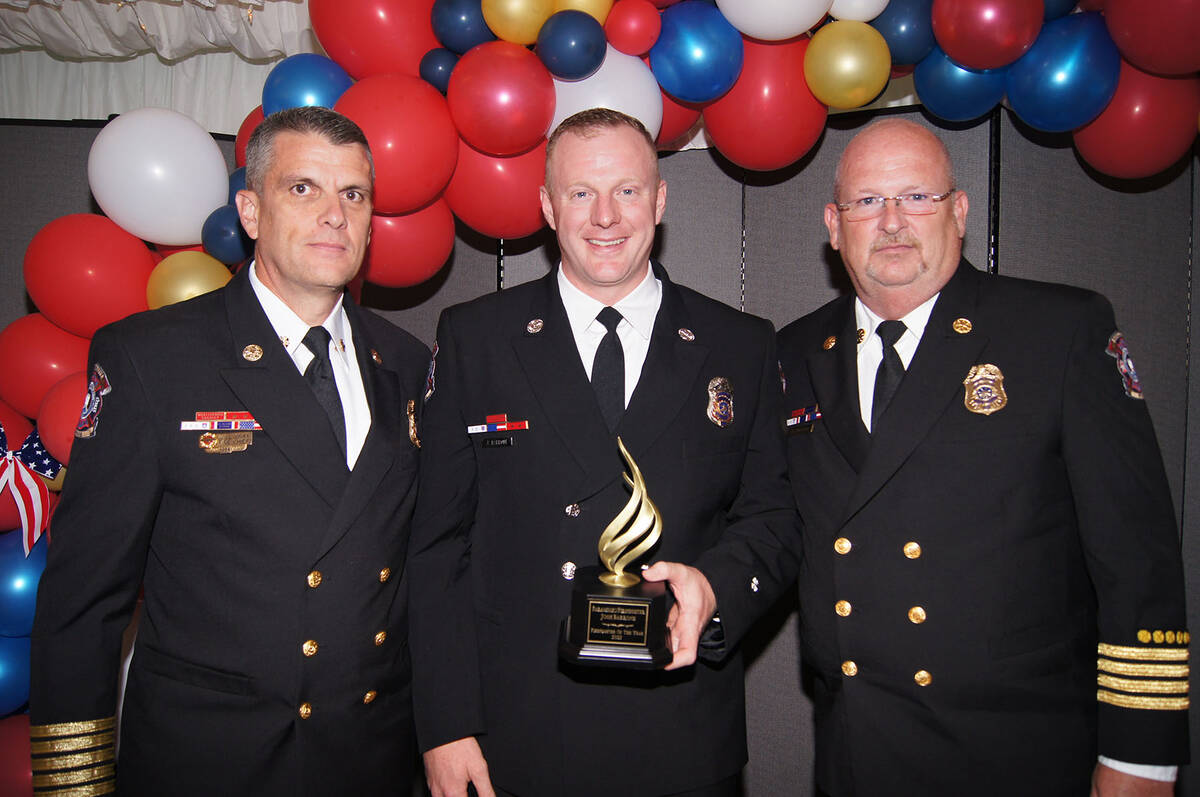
{"x": 870, "y": 207}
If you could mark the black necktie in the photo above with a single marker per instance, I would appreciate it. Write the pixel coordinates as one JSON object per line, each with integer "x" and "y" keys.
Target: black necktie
{"x": 319, "y": 376}
{"x": 891, "y": 369}
{"x": 608, "y": 370}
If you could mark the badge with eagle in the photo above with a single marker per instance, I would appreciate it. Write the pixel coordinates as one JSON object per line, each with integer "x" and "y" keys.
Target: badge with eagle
{"x": 720, "y": 401}
{"x": 985, "y": 389}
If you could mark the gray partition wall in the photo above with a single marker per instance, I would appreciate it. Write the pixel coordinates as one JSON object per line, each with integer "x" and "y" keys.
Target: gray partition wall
{"x": 757, "y": 242}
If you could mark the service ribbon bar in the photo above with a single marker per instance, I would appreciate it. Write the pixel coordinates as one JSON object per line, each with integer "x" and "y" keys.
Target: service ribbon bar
{"x": 804, "y": 415}
{"x": 497, "y": 423}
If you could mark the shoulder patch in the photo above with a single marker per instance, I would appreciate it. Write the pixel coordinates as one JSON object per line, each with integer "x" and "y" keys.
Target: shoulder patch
{"x": 1119, "y": 350}
{"x": 89, "y": 416}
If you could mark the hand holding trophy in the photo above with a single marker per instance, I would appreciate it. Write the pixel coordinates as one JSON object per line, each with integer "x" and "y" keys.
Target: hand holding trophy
{"x": 617, "y": 618}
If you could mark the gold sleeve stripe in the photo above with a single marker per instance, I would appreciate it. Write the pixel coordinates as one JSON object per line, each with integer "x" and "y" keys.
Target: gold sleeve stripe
{"x": 102, "y": 756}
{"x": 1144, "y": 687}
{"x": 1141, "y": 701}
{"x": 75, "y": 776}
{"x": 1145, "y": 654}
{"x": 1143, "y": 670}
{"x": 71, "y": 744}
{"x": 89, "y": 790}
{"x": 73, "y": 728}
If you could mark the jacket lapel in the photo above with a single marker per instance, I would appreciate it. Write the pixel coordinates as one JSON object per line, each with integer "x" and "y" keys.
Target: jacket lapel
{"x": 275, "y": 393}
{"x": 834, "y": 374}
{"x": 389, "y": 422}
{"x": 931, "y": 384}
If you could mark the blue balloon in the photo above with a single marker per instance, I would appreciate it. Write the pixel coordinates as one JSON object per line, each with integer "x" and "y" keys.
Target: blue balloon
{"x": 237, "y": 182}
{"x": 1068, "y": 76}
{"x": 19, "y": 579}
{"x": 571, "y": 44}
{"x": 14, "y": 673}
{"x": 955, "y": 93}
{"x": 224, "y": 238}
{"x": 459, "y": 24}
{"x": 1058, "y": 8}
{"x": 698, "y": 55}
{"x": 436, "y": 66}
{"x": 907, "y": 27}
{"x": 304, "y": 79}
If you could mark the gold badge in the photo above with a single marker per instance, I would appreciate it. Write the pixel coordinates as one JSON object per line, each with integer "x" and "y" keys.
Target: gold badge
{"x": 376, "y": 358}
{"x": 412, "y": 423}
{"x": 961, "y": 325}
{"x": 861, "y": 335}
{"x": 686, "y": 334}
{"x": 225, "y": 442}
{"x": 720, "y": 401}
{"x": 252, "y": 353}
{"x": 985, "y": 389}
{"x": 534, "y": 326}
{"x": 829, "y": 343}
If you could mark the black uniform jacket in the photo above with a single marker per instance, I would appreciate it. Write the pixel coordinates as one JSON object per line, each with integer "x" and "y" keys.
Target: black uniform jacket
{"x": 504, "y": 517}
{"x": 961, "y": 569}
{"x": 271, "y": 657}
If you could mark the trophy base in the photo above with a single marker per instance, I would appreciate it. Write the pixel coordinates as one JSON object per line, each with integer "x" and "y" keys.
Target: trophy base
{"x": 616, "y": 626}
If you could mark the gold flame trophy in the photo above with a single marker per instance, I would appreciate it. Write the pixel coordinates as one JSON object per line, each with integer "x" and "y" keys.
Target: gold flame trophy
{"x": 618, "y": 619}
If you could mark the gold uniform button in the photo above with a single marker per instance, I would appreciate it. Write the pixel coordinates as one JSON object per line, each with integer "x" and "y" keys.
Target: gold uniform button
{"x": 842, "y": 545}
{"x": 305, "y": 710}
{"x": 385, "y": 574}
{"x": 923, "y": 678}
{"x": 309, "y": 648}
{"x": 369, "y": 696}
{"x": 842, "y": 608}
{"x": 912, "y": 550}
{"x": 314, "y": 579}
{"x": 382, "y": 635}
{"x": 849, "y": 668}
{"x": 916, "y": 615}
{"x": 1143, "y": 636}
{"x": 1158, "y": 637}
{"x": 1170, "y": 636}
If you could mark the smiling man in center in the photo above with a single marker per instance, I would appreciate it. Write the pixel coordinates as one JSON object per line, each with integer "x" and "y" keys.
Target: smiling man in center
{"x": 521, "y": 474}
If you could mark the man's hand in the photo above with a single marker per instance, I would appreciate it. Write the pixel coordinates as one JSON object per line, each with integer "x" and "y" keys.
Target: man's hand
{"x": 694, "y": 607}
{"x": 450, "y": 767}
{"x": 1108, "y": 782}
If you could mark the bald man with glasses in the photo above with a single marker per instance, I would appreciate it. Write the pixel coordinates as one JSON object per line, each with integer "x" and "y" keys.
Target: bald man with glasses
{"x": 991, "y": 588}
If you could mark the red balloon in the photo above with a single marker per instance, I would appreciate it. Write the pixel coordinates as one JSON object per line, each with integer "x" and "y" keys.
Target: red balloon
{"x": 34, "y": 356}
{"x": 1149, "y": 124}
{"x": 59, "y": 415}
{"x": 678, "y": 118}
{"x": 407, "y": 250}
{"x": 1092, "y": 5}
{"x": 412, "y": 138}
{"x": 498, "y": 196}
{"x": 769, "y": 118}
{"x": 16, "y": 773}
{"x": 83, "y": 271}
{"x": 986, "y": 34}
{"x": 374, "y": 37}
{"x": 16, "y": 428}
{"x": 163, "y": 251}
{"x": 501, "y": 97}
{"x": 1161, "y": 36}
{"x": 633, "y": 26}
{"x": 243, "y": 135}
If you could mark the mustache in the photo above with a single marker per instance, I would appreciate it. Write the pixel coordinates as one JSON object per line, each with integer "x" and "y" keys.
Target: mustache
{"x": 899, "y": 239}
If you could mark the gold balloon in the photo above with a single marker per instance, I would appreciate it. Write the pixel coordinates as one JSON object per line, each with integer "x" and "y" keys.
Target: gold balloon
{"x": 597, "y": 8}
{"x": 517, "y": 20}
{"x": 184, "y": 275}
{"x": 847, "y": 64}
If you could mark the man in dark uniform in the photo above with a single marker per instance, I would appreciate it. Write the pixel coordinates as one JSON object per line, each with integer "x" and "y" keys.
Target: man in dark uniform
{"x": 985, "y": 511}
{"x": 250, "y": 456}
{"x": 521, "y": 474}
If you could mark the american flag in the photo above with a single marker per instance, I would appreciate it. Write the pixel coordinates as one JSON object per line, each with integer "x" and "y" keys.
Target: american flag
{"x": 19, "y": 473}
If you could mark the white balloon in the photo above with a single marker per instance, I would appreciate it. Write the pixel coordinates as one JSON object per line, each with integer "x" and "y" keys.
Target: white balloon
{"x": 158, "y": 175}
{"x": 857, "y": 10}
{"x": 773, "y": 20}
{"x": 623, "y": 83}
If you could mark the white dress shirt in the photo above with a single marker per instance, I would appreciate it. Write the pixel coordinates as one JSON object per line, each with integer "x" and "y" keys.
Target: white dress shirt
{"x": 638, "y": 311}
{"x": 291, "y": 330}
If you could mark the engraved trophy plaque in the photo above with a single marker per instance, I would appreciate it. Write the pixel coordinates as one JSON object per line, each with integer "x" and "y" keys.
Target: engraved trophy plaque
{"x": 617, "y": 619}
